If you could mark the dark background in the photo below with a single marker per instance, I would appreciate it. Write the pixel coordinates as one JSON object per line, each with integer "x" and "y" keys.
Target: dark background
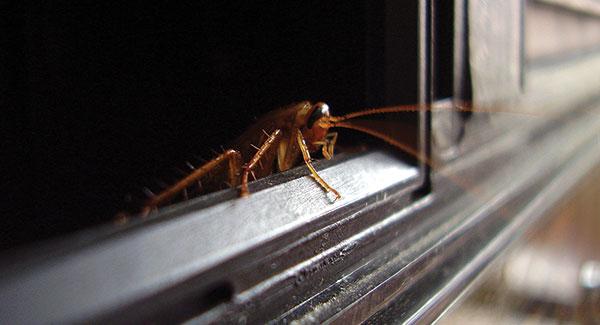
{"x": 103, "y": 97}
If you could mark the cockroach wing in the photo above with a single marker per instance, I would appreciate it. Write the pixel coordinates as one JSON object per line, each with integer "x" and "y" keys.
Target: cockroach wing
{"x": 288, "y": 153}
{"x": 258, "y": 132}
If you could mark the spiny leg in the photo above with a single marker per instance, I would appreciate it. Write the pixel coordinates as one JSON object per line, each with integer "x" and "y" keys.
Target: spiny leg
{"x": 235, "y": 168}
{"x": 247, "y": 168}
{"x": 232, "y": 156}
{"x": 307, "y": 161}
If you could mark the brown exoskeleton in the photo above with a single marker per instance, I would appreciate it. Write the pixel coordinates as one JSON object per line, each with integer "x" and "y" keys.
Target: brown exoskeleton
{"x": 277, "y": 142}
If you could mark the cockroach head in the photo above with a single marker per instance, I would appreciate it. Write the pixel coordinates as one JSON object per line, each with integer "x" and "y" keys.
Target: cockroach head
{"x": 319, "y": 110}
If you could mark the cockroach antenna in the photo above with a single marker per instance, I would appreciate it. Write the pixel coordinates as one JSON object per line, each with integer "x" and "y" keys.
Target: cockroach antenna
{"x": 291, "y": 132}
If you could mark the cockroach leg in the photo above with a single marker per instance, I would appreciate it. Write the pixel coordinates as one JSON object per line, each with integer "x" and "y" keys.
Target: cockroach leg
{"x": 331, "y": 140}
{"x": 235, "y": 167}
{"x": 327, "y": 145}
{"x": 247, "y": 168}
{"x": 233, "y": 157}
{"x": 307, "y": 161}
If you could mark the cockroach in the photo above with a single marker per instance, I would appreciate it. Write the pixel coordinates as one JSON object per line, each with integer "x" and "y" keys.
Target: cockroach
{"x": 278, "y": 142}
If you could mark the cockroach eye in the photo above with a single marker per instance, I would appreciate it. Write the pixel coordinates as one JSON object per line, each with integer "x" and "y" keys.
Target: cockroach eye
{"x": 321, "y": 109}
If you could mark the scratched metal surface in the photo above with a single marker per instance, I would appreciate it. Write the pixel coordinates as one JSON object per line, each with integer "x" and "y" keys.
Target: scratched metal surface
{"x": 146, "y": 259}
{"x": 379, "y": 255}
